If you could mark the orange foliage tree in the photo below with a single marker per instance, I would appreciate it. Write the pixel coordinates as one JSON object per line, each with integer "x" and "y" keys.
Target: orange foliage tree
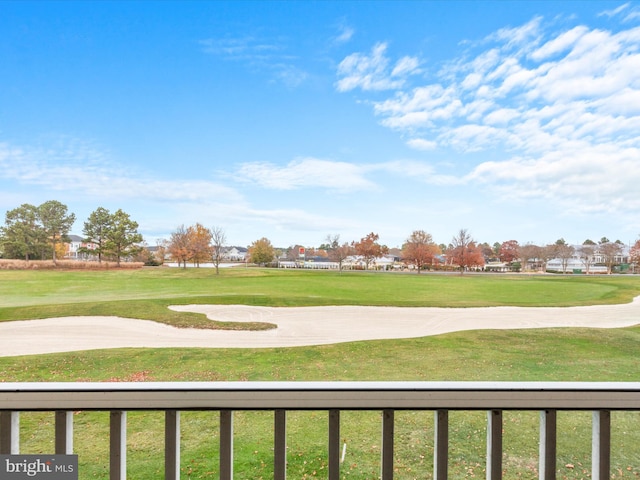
{"x": 369, "y": 248}
{"x": 465, "y": 252}
{"x": 420, "y": 249}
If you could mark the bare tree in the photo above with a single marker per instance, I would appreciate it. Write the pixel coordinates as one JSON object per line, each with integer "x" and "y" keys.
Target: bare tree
{"x": 341, "y": 253}
{"x": 218, "y": 241}
{"x": 610, "y": 252}
{"x": 586, "y": 253}
{"x": 564, "y": 252}
{"x": 530, "y": 254}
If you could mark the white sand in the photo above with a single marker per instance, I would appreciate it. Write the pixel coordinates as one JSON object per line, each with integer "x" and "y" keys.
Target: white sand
{"x": 297, "y": 326}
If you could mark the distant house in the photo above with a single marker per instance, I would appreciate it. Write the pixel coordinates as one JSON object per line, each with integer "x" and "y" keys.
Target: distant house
{"x": 235, "y": 254}
{"x": 74, "y": 246}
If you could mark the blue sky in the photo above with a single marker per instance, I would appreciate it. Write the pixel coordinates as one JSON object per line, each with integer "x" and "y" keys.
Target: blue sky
{"x": 296, "y": 120}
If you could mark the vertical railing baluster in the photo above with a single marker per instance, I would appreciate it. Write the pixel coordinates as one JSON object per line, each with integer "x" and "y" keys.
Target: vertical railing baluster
{"x": 226, "y": 444}
{"x": 172, "y": 445}
{"x": 280, "y": 445}
{"x": 9, "y": 432}
{"x": 601, "y": 445}
{"x": 548, "y": 442}
{"x": 494, "y": 445}
{"x": 441, "y": 447}
{"x": 64, "y": 432}
{"x": 118, "y": 445}
{"x": 334, "y": 444}
{"x": 387, "y": 444}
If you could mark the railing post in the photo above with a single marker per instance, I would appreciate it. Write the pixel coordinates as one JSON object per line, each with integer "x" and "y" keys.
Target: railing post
{"x": 9, "y": 433}
{"x": 601, "y": 445}
{"x": 64, "y": 432}
{"x": 118, "y": 445}
{"x": 387, "y": 444}
{"x": 548, "y": 435}
{"x": 441, "y": 447}
{"x": 226, "y": 444}
{"x": 172, "y": 445}
{"x": 280, "y": 445}
{"x": 494, "y": 445}
{"x": 334, "y": 444}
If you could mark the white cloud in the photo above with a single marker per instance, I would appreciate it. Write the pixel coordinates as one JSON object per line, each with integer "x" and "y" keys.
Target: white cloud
{"x": 305, "y": 173}
{"x": 372, "y": 72}
{"x": 345, "y": 33}
{"x": 615, "y": 11}
{"x": 559, "y": 44}
{"x": 422, "y": 144}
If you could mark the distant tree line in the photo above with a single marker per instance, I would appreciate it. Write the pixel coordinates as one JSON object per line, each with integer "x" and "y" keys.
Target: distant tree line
{"x": 463, "y": 252}
{"x": 40, "y": 232}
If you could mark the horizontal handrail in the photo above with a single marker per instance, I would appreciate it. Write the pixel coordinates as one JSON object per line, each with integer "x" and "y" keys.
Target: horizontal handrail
{"x": 321, "y": 395}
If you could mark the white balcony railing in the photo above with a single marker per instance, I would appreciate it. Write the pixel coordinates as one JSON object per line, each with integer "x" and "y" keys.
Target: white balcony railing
{"x": 334, "y": 397}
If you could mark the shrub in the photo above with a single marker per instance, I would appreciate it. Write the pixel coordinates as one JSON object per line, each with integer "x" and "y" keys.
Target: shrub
{"x": 14, "y": 264}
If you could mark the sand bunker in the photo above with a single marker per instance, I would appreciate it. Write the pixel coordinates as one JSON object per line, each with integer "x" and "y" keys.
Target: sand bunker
{"x": 298, "y": 326}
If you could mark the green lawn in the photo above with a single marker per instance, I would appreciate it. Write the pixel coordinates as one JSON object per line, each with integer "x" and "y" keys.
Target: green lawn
{"x": 546, "y": 354}
{"x": 146, "y": 293}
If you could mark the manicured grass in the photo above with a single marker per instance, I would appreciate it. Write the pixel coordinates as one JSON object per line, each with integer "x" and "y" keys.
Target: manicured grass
{"x": 146, "y": 293}
{"x": 493, "y": 355}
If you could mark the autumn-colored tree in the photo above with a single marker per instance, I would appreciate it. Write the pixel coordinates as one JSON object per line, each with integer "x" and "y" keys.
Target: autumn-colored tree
{"x": 464, "y": 251}
{"x": 199, "y": 244}
{"x": 369, "y": 248}
{"x": 179, "y": 246}
{"x": 261, "y": 251}
{"x": 420, "y": 249}
{"x": 634, "y": 253}
{"x": 509, "y": 251}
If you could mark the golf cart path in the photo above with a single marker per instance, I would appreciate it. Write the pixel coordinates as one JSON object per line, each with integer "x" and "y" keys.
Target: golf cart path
{"x": 296, "y": 326}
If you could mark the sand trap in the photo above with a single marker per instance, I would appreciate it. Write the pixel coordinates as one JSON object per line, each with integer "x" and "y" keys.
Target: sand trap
{"x": 297, "y": 326}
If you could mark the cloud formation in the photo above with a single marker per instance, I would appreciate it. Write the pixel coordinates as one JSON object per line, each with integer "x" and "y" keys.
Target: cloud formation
{"x": 374, "y": 71}
{"x": 79, "y": 168}
{"x": 553, "y": 113}
{"x": 306, "y": 173}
